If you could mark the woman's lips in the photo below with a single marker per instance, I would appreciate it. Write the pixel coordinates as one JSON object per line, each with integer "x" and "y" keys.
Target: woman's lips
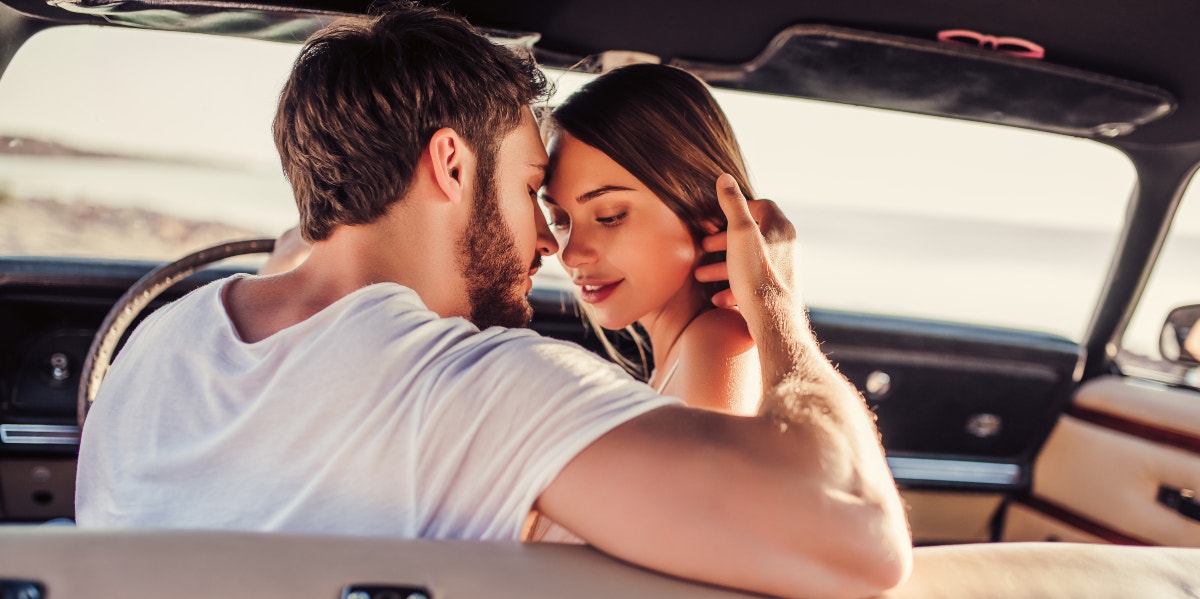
{"x": 596, "y": 293}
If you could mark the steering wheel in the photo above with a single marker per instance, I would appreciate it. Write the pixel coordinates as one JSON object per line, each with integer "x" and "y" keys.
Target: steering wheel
{"x": 144, "y": 291}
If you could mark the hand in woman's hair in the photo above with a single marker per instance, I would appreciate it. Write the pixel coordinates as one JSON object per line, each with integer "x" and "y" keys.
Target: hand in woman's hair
{"x": 771, "y": 228}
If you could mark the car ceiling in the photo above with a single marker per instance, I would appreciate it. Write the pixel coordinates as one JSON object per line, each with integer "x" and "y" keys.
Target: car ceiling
{"x": 1145, "y": 41}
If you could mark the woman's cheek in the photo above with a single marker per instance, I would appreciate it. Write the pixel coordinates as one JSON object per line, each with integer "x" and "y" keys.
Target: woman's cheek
{"x": 677, "y": 259}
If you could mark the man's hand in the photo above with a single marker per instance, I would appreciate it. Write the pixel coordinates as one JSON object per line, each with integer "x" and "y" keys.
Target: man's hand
{"x": 763, "y": 242}
{"x": 290, "y": 250}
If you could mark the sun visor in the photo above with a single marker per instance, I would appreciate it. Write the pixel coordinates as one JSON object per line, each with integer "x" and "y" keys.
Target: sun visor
{"x": 942, "y": 79}
{"x": 250, "y": 21}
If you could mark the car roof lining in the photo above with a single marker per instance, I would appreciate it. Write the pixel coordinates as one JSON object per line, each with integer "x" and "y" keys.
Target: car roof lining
{"x": 1150, "y": 43}
{"x": 941, "y": 79}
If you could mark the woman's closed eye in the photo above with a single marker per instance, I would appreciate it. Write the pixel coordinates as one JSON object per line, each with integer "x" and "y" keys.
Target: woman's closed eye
{"x": 558, "y": 220}
{"x": 612, "y": 221}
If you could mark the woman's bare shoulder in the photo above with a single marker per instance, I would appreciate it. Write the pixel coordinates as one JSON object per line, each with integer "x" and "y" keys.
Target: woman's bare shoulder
{"x": 718, "y": 364}
{"x": 720, "y": 331}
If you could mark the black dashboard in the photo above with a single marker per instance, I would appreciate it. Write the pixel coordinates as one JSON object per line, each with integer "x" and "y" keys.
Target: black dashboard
{"x": 959, "y": 407}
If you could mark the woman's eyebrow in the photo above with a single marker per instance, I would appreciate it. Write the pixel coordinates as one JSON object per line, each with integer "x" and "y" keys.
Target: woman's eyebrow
{"x": 590, "y": 195}
{"x": 599, "y": 191}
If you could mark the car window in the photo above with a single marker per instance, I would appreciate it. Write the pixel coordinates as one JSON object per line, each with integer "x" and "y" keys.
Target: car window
{"x": 1174, "y": 282}
{"x": 937, "y": 218}
{"x": 124, "y": 143}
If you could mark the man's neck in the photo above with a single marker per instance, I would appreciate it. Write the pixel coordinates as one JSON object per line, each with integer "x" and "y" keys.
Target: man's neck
{"x": 412, "y": 251}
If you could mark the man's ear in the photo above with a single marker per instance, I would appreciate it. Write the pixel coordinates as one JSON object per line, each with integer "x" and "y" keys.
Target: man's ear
{"x": 450, "y": 157}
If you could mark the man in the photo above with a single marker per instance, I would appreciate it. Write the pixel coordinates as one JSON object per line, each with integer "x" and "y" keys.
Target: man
{"x": 361, "y": 393}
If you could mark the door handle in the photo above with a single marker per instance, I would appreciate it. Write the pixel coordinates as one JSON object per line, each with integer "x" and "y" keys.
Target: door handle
{"x": 1181, "y": 500}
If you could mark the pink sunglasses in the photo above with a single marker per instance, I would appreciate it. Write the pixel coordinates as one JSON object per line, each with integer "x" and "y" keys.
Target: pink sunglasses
{"x": 1009, "y": 45}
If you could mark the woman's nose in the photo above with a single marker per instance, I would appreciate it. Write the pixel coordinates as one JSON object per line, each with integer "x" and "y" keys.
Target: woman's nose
{"x": 575, "y": 249}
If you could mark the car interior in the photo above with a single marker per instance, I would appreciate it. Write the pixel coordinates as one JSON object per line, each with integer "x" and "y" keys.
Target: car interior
{"x": 994, "y": 433}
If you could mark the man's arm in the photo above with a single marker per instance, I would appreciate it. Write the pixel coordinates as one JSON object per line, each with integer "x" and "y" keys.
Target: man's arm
{"x": 796, "y": 501}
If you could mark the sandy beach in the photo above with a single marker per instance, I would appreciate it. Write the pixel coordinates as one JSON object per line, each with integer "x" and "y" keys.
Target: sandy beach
{"x": 82, "y": 229}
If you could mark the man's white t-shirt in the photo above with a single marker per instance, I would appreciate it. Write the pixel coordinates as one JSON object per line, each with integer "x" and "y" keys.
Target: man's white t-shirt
{"x": 373, "y": 417}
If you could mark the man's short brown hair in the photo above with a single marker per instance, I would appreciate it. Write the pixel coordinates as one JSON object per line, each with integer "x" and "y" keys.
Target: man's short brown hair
{"x": 366, "y": 95}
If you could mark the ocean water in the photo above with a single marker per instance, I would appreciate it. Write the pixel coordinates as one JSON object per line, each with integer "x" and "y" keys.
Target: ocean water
{"x": 1024, "y": 277}
{"x": 1030, "y": 277}
{"x": 249, "y": 198}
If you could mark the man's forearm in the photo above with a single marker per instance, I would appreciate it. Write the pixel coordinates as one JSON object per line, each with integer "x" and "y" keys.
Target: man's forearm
{"x": 805, "y": 396}
{"x": 822, "y": 485}
{"x": 799, "y": 382}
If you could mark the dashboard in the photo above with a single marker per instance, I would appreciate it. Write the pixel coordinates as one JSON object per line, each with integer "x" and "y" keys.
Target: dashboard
{"x": 959, "y": 408}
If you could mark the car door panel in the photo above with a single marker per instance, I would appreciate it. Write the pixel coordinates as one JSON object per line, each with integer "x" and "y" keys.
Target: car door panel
{"x": 1025, "y": 522}
{"x": 962, "y": 391}
{"x": 1122, "y": 464}
{"x": 938, "y": 517}
{"x": 961, "y": 410}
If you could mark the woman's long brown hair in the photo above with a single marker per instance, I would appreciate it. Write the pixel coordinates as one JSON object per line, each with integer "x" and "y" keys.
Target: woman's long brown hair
{"x": 662, "y": 125}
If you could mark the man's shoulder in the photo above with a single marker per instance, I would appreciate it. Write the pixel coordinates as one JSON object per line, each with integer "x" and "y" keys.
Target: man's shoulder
{"x": 526, "y": 340}
{"x": 390, "y": 315}
{"x": 194, "y": 305}
{"x": 188, "y": 322}
{"x": 536, "y": 360}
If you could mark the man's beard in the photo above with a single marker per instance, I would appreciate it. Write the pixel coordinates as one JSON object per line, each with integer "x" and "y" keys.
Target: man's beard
{"x": 489, "y": 261}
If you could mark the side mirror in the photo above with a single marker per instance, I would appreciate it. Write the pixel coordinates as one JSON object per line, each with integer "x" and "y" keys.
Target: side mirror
{"x": 1180, "y": 338}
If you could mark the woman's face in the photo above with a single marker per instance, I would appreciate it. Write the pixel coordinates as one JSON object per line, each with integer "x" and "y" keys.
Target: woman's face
{"x": 628, "y": 253}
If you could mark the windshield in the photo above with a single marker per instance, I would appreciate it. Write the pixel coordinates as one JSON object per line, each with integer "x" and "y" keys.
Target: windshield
{"x": 168, "y": 149}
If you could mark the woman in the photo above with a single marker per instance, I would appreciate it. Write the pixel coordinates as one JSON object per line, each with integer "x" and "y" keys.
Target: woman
{"x": 630, "y": 196}
{"x": 633, "y": 157}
